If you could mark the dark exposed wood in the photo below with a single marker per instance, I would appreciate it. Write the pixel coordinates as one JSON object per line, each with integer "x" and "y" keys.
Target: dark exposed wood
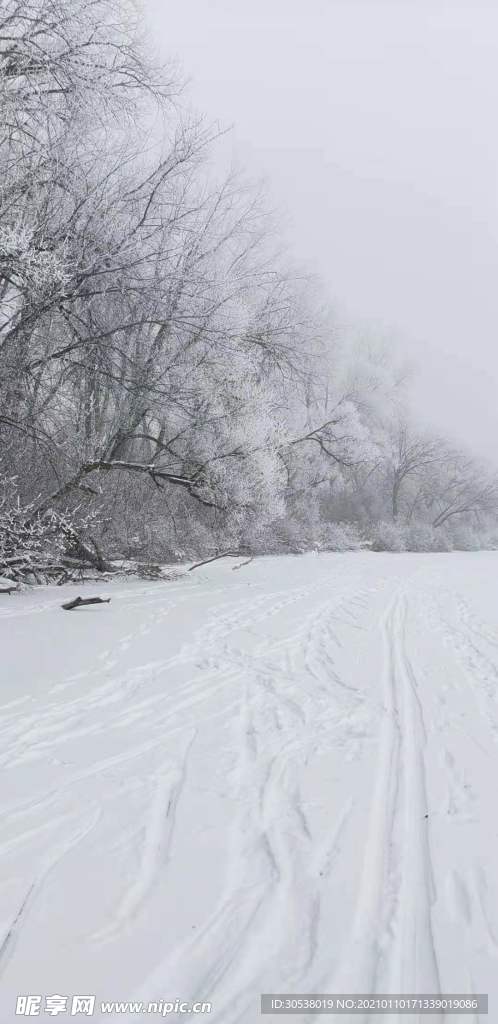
{"x": 79, "y": 601}
{"x": 8, "y": 590}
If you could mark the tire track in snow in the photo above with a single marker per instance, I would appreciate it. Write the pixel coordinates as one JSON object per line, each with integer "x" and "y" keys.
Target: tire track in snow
{"x": 157, "y": 839}
{"x": 268, "y": 890}
{"x": 416, "y": 968}
{"x": 284, "y": 922}
{"x": 12, "y": 934}
{"x": 270, "y": 909}
{"x": 55, "y": 725}
{"x": 41, "y": 728}
{"x": 391, "y": 945}
{"x": 467, "y": 641}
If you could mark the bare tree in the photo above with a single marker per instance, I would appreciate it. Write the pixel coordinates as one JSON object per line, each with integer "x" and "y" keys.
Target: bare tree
{"x": 410, "y": 455}
{"x": 465, "y": 488}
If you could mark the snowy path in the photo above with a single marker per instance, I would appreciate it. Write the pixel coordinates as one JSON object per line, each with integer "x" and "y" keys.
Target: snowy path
{"x": 277, "y": 779}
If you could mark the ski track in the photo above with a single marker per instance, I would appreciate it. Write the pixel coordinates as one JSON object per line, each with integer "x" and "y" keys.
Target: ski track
{"x": 315, "y": 733}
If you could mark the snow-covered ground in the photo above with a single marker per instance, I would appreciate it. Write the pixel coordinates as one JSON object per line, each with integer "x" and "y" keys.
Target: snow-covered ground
{"x": 277, "y": 779}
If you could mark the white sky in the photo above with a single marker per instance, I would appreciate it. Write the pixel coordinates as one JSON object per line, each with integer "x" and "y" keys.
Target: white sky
{"x": 374, "y": 125}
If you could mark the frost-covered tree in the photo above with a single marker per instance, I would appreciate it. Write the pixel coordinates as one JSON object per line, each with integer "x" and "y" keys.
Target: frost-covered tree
{"x": 161, "y": 370}
{"x": 144, "y": 327}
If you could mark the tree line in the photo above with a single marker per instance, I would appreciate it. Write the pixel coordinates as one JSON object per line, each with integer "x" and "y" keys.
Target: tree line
{"x": 169, "y": 387}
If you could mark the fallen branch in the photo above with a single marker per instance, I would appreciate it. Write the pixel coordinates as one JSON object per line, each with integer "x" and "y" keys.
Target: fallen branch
{"x": 78, "y": 601}
{"x": 214, "y": 558}
{"x": 8, "y": 590}
{"x": 242, "y": 564}
{"x": 155, "y": 473}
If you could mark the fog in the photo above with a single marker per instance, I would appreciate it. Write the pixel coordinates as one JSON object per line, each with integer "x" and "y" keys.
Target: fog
{"x": 373, "y": 127}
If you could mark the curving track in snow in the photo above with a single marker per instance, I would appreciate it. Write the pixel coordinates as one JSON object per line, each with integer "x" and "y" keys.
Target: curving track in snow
{"x": 280, "y": 779}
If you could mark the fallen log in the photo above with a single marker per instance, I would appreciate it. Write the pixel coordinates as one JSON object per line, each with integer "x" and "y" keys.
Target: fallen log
{"x": 8, "y": 590}
{"x": 79, "y": 601}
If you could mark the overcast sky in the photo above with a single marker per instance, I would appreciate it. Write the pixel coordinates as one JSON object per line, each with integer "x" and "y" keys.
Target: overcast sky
{"x": 374, "y": 125}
